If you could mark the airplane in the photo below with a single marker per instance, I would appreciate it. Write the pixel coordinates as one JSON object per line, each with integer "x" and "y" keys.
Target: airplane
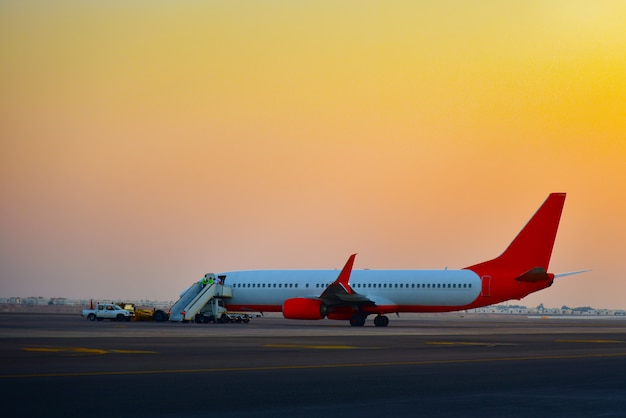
{"x": 354, "y": 295}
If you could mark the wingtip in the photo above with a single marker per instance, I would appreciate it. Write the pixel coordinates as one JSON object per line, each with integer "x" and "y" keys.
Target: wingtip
{"x": 344, "y": 276}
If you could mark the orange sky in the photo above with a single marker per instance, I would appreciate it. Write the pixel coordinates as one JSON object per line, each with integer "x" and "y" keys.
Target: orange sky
{"x": 144, "y": 145}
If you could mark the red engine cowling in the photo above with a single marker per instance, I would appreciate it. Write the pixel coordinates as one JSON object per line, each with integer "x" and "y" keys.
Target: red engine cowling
{"x": 304, "y": 308}
{"x": 341, "y": 316}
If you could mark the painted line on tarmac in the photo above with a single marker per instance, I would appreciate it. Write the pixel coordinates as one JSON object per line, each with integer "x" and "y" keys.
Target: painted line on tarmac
{"x": 133, "y": 351}
{"x": 313, "y": 347}
{"x": 467, "y": 343}
{"x": 312, "y": 367}
{"x": 591, "y": 341}
{"x": 83, "y": 350}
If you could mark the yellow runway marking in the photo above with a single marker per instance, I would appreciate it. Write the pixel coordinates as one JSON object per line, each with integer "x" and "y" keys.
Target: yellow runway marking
{"x": 591, "y": 341}
{"x": 44, "y": 350}
{"x": 315, "y": 347}
{"x": 132, "y": 352}
{"x": 459, "y": 343}
{"x": 310, "y": 367}
{"x": 82, "y": 350}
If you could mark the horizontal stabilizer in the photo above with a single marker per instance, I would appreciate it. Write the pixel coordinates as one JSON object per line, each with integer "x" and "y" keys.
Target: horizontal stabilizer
{"x": 539, "y": 273}
{"x": 535, "y": 275}
{"x": 571, "y": 273}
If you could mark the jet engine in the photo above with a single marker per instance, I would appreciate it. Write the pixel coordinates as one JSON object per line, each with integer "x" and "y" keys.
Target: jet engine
{"x": 304, "y": 308}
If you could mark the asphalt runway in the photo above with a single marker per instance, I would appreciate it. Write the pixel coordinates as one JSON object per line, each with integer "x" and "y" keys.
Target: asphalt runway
{"x": 438, "y": 365}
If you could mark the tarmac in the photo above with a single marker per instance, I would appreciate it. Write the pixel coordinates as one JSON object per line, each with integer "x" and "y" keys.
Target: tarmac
{"x": 446, "y": 365}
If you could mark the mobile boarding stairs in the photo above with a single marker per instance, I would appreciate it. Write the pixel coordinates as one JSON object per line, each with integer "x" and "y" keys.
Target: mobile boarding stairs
{"x": 206, "y": 300}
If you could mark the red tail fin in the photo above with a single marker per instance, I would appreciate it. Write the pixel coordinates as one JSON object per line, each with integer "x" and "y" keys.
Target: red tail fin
{"x": 532, "y": 247}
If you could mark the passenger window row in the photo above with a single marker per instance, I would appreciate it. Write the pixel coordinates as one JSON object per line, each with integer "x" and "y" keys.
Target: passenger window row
{"x": 365, "y": 285}
{"x": 415, "y": 285}
{"x": 281, "y": 285}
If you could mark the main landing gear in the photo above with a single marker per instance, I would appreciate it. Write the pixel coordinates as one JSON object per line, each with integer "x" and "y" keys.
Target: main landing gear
{"x": 358, "y": 320}
{"x": 381, "y": 321}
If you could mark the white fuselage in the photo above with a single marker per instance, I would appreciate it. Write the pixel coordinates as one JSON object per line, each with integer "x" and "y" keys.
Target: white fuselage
{"x": 406, "y": 290}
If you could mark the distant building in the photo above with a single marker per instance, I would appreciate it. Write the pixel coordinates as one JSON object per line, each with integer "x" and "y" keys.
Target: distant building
{"x": 35, "y": 301}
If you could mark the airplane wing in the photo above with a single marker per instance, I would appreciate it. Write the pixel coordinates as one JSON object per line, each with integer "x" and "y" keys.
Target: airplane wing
{"x": 340, "y": 293}
{"x": 337, "y": 301}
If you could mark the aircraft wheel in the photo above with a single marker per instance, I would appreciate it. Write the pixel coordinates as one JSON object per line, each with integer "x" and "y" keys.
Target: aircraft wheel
{"x": 381, "y": 321}
{"x": 357, "y": 320}
{"x": 159, "y": 316}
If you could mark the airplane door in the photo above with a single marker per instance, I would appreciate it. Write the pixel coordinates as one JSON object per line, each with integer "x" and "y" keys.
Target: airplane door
{"x": 486, "y": 286}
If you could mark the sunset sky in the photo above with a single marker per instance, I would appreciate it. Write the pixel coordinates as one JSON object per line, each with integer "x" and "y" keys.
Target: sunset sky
{"x": 145, "y": 143}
